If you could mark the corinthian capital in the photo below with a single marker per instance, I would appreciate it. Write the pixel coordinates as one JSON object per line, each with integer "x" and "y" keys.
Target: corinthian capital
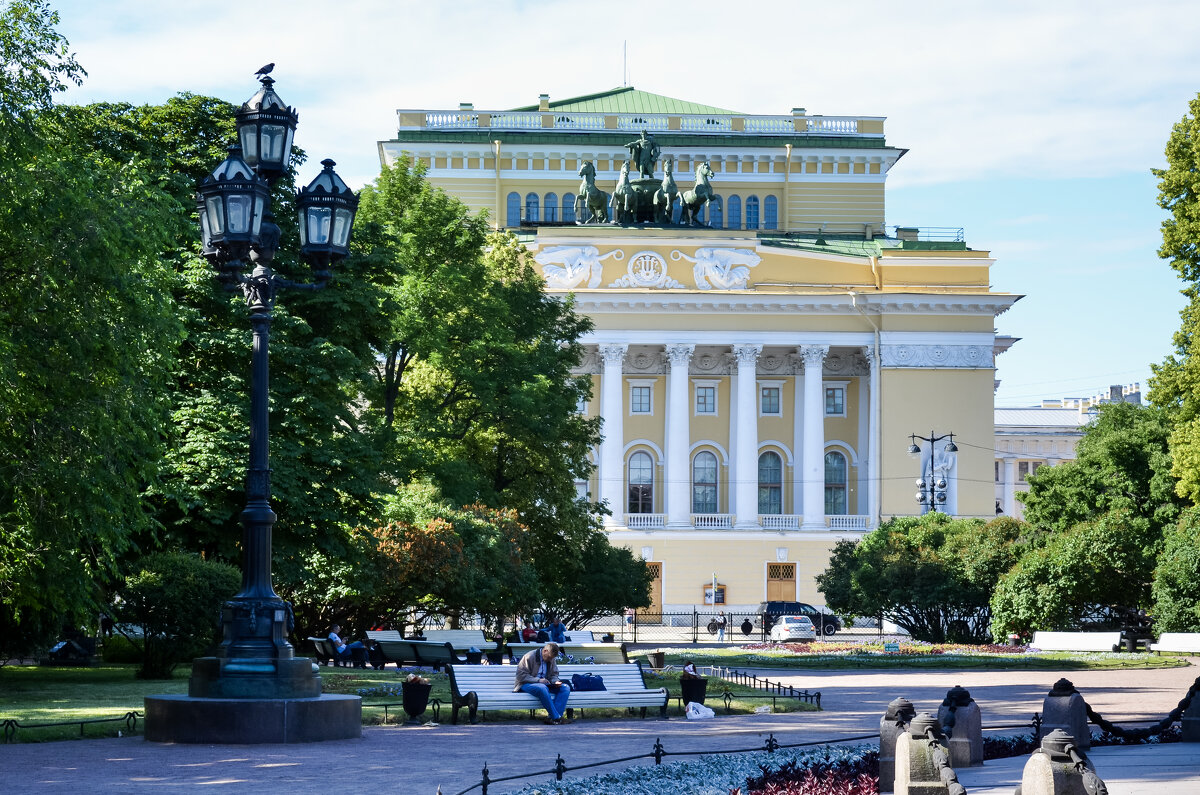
{"x": 613, "y": 353}
{"x": 813, "y": 355}
{"x": 680, "y": 355}
{"x": 747, "y": 354}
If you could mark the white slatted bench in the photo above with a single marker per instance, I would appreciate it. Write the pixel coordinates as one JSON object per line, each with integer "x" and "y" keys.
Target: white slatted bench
{"x": 599, "y": 652}
{"x": 461, "y": 639}
{"x": 1187, "y": 642}
{"x": 490, "y": 687}
{"x": 1076, "y": 641}
{"x": 581, "y": 636}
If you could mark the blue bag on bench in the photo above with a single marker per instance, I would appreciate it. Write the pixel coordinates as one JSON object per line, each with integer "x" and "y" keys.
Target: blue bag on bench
{"x": 581, "y": 682}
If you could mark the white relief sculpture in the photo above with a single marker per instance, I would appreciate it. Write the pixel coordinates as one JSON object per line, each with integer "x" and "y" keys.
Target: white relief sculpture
{"x": 647, "y": 269}
{"x": 565, "y": 267}
{"x": 968, "y": 357}
{"x": 814, "y": 356}
{"x": 725, "y": 268}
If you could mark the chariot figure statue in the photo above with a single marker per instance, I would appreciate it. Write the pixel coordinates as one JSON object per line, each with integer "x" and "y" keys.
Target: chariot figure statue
{"x": 644, "y": 153}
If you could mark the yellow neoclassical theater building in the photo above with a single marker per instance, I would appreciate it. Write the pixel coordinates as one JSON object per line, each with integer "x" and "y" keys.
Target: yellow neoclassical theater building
{"x": 761, "y": 359}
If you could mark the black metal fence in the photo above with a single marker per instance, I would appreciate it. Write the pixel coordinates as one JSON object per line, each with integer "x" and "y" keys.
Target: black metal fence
{"x": 697, "y": 626}
{"x": 9, "y": 726}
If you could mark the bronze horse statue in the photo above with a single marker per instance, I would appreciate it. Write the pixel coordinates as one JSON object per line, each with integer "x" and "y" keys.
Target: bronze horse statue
{"x": 664, "y": 197}
{"x": 624, "y": 199}
{"x": 693, "y": 200}
{"x": 591, "y": 198}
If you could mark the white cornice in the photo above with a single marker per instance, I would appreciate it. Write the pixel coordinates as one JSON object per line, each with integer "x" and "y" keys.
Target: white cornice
{"x": 624, "y": 537}
{"x": 679, "y": 301}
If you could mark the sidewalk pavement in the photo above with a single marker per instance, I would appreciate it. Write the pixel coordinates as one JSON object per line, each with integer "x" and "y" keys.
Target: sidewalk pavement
{"x": 419, "y": 759}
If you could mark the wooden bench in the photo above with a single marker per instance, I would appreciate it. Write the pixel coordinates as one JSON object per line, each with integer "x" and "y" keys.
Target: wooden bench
{"x": 490, "y": 687}
{"x": 1076, "y": 641}
{"x": 417, "y": 652}
{"x": 1187, "y": 642}
{"x": 599, "y": 652}
{"x": 327, "y": 654}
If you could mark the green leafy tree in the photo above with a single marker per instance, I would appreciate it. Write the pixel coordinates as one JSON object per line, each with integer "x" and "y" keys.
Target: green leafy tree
{"x": 932, "y": 575}
{"x": 1122, "y": 463}
{"x": 87, "y": 340}
{"x": 1176, "y": 586}
{"x": 174, "y": 599}
{"x": 1104, "y": 563}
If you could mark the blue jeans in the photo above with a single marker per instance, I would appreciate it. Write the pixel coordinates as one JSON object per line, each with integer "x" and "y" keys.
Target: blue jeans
{"x": 555, "y": 701}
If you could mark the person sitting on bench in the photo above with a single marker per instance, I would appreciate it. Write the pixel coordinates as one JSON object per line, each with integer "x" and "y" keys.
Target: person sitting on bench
{"x": 344, "y": 651}
{"x": 537, "y": 675}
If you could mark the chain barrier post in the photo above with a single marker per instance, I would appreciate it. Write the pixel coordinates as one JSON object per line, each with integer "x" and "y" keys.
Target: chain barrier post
{"x": 560, "y": 767}
{"x": 486, "y": 779}
{"x": 659, "y": 751}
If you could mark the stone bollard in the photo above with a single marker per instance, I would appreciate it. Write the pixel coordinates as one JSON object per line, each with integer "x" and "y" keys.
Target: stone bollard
{"x": 893, "y": 723}
{"x": 1190, "y": 723}
{"x": 923, "y": 761}
{"x": 1063, "y": 708}
{"x": 959, "y": 716}
{"x": 1059, "y": 768}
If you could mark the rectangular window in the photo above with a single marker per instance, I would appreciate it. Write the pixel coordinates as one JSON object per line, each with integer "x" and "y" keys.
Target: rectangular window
{"x": 997, "y": 463}
{"x": 770, "y": 400}
{"x": 1022, "y": 469}
{"x": 706, "y": 400}
{"x": 835, "y": 401}
{"x": 639, "y": 400}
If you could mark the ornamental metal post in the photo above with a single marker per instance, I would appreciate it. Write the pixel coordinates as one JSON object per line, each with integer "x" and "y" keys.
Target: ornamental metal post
{"x": 931, "y": 490}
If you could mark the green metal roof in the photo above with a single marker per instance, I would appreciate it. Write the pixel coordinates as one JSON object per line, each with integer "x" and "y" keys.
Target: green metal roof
{"x": 628, "y": 99}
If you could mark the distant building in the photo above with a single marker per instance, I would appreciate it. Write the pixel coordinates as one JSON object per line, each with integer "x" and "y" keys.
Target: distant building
{"x": 1117, "y": 393}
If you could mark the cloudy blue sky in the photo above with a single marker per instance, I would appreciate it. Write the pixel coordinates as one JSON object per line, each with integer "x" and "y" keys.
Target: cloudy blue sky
{"x": 1033, "y": 125}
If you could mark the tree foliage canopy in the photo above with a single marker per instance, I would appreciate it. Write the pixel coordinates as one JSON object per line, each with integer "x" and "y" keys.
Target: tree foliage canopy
{"x": 932, "y": 575}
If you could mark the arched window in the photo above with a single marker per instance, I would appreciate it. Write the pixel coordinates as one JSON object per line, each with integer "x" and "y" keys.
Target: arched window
{"x": 641, "y": 483}
{"x": 770, "y": 484}
{"x": 752, "y": 212}
{"x": 735, "y": 212}
{"x": 718, "y": 216}
{"x": 704, "y": 483}
{"x": 551, "y": 205}
{"x": 835, "y": 484}
{"x": 770, "y": 213}
{"x": 514, "y": 209}
{"x": 568, "y": 207}
{"x": 531, "y": 208}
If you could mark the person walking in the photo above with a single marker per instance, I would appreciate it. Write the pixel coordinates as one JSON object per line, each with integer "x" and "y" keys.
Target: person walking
{"x": 721, "y": 621}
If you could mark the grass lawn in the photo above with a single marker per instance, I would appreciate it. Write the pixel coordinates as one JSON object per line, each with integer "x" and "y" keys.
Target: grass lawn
{"x": 911, "y": 654}
{"x": 36, "y": 694}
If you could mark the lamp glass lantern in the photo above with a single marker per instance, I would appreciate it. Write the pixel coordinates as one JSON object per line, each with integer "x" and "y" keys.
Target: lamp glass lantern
{"x": 233, "y": 198}
{"x": 326, "y": 209}
{"x": 265, "y": 126}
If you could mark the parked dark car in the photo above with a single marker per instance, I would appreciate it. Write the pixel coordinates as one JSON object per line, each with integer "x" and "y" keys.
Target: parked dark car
{"x": 825, "y": 623}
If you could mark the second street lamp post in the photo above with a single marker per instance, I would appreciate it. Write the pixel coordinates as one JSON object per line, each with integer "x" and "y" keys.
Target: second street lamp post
{"x": 931, "y": 489}
{"x": 255, "y": 663}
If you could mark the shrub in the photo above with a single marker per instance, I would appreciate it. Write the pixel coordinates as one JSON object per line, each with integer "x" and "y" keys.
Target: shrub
{"x": 119, "y": 649}
{"x": 175, "y": 598}
{"x": 1176, "y": 586}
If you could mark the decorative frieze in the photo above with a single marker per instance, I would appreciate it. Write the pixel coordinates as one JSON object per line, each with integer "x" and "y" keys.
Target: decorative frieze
{"x": 963, "y": 357}
{"x": 720, "y": 268}
{"x": 647, "y": 269}
{"x": 567, "y": 267}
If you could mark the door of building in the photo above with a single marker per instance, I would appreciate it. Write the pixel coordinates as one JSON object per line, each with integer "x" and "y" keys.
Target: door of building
{"x": 781, "y": 582}
{"x": 653, "y": 613}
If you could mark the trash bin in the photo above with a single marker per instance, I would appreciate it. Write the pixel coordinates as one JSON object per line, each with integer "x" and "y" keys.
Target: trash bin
{"x": 658, "y": 659}
{"x": 474, "y": 656}
{"x": 693, "y": 690}
{"x": 415, "y": 696}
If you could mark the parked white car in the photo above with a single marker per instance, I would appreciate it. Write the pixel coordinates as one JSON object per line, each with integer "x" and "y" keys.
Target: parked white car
{"x": 793, "y": 628}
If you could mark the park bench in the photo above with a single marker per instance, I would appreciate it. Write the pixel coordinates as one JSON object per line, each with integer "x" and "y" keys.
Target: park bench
{"x": 1076, "y": 641}
{"x": 1188, "y": 642}
{"x": 417, "y": 652}
{"x": 599, "y": 652}
{"x": 327, "y": 654}
{"x": 490, "y": 687}
{"x": 461, "y": 639}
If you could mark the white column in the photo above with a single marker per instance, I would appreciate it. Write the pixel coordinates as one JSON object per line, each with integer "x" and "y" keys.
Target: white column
{"x": 678, "y": 476}
{"x": 797, "y": 441}
{"x": 612, "y": 409}
{"x": 873, "y": 478}
{"x": 1010, "y": 487}
{"x": 813, "y": 466}
{"x": 746, "y": 453}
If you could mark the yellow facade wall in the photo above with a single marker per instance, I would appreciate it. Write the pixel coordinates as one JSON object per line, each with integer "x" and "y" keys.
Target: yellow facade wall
{"x": 923, "y": 400}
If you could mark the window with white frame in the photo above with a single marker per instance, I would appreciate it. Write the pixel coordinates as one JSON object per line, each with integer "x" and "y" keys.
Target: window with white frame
{"x": 835, "y": 398}
{"x": 641, "y": 397}
{"x": 704, "y": 483}
{"x": 581, "y": 490}
{"x": 769, "y": 400}
{"x": 835, "y": 484}
{"x": 641, "y": 483}
{"x": 706, "y": 397}
{"x": 770, "y": 484}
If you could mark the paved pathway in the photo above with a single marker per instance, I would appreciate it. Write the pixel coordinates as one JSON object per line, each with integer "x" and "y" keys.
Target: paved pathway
{"x": 419, "y": 759}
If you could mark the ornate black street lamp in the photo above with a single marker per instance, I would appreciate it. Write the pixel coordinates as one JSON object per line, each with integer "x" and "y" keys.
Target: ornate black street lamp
{"x": 255, "y": 661}
{"x": 931, "y": 490}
